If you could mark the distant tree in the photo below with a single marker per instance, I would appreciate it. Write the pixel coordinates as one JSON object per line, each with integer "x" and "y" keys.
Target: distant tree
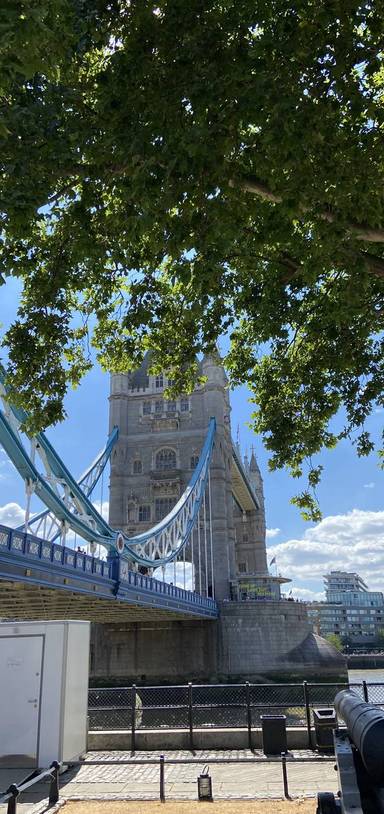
{"x": 335, "y": 640}
{"x": 232, "y": 153}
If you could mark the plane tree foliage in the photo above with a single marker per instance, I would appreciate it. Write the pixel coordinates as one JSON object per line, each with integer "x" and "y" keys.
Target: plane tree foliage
{"x": 172, "y": 172}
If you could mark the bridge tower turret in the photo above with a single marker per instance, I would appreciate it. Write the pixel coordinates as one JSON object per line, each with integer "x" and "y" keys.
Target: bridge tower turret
{"x": 256, "y": 481}
{"x": 158, "y": 448}
{"x": 216, "y": 403}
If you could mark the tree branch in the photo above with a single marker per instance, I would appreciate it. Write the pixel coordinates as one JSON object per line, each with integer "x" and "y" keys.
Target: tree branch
{"x": 375, "y": 264}
{"x": 257, "y": 188}
{"x": 360, "y": 230}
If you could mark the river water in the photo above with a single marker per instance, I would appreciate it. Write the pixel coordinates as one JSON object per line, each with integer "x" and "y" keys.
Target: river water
{"x": 370, "y": 676}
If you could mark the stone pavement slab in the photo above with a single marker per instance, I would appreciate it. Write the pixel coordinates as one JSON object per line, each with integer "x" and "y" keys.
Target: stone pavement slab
{"x": 249, "y": 779}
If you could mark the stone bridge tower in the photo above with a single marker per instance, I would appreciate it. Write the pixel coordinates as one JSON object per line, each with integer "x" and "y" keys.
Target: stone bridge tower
{"x": 258, "y": 633}
{"x": 158, "y": 448}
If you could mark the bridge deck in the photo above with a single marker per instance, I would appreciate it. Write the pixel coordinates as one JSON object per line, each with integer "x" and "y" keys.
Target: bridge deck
{"x": 22, "y": 601}
{"x": 45, "y": 580}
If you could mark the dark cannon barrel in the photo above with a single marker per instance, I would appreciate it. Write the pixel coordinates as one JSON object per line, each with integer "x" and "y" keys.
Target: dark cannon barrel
{"x": 365, "y": 724}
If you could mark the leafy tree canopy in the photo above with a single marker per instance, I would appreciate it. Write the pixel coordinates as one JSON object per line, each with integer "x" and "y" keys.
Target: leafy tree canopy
{"x": 335, "y": 640}
{"x": 171, "y": 171}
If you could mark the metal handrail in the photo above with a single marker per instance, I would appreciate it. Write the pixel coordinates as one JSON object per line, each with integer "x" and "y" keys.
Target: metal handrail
{"x": 14, "y": 790}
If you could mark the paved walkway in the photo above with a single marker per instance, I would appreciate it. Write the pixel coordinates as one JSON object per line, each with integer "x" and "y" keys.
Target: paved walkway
{"x": 246, "y": 780}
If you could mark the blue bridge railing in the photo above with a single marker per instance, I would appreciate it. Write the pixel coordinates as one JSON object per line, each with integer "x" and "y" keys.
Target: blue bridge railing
{"x": 114, "y": 573}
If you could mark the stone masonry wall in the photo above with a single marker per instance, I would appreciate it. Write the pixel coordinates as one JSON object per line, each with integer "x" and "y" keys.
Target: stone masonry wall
{"x": 272, "y": 639}
{"x": 251, "y": 641}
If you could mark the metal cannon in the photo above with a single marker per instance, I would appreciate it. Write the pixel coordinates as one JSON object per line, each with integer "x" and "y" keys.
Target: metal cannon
{"x": 359, "y": 752}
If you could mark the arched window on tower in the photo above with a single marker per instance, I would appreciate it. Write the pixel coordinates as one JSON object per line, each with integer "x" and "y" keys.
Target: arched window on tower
{"x": 137, "y": 467}
{"x": 165, "y": 459}
{"x": 194, "y": 461}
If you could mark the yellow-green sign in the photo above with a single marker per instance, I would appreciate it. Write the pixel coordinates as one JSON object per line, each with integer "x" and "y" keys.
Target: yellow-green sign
{"x": 254, "y": 589}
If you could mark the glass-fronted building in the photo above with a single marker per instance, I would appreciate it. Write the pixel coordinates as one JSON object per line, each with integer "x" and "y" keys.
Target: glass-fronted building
{"x": 351, "y": 610}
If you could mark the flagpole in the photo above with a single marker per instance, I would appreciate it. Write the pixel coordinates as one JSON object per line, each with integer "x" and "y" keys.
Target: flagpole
{"x": 274, "y": 562}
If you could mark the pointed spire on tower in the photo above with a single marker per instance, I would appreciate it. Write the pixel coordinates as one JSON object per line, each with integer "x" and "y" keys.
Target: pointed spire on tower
{"x": 238, "y": 440}
{"x": 253, "y": 465}
{"x": 255, "y": 474}
{"x": 246, "y": 461}
{"x": 256, "y": 481}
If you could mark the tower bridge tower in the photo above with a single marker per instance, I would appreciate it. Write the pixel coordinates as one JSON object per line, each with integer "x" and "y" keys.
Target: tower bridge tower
{"x": 159, "y": 446}
{"x": 258, "y": 633}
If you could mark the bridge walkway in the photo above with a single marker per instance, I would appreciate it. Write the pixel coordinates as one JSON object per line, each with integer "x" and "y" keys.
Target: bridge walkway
{"x": 41, "y": 579}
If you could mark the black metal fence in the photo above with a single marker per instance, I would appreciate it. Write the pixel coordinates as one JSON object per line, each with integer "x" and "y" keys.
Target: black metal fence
{"x": 199, "y": 706}
{"x": 16, "y": 789}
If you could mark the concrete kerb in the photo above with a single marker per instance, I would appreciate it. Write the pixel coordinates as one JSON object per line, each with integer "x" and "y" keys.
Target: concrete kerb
{"x": 178, "y": 739}
{"x": 43, "y": 806}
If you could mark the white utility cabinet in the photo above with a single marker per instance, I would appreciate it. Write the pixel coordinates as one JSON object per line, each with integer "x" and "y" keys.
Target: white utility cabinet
{"x": 44, "y": 669}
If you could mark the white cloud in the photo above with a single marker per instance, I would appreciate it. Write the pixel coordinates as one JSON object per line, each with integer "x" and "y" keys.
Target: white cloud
{"x": 11, "y": 515}
{"x": 105, "y": 507}
{"x": 176, "y": 575}
{"x": 349, "y": 542}
{"x": 369, "y": 485}
{"x": 272, "y": 533}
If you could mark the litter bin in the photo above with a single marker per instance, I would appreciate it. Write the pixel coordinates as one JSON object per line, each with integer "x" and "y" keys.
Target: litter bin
{"x": 274, "y": 730}
{"x": 325, "y": 722}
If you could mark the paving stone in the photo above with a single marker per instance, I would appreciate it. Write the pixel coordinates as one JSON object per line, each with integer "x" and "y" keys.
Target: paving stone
{"x": 245, "y": 780}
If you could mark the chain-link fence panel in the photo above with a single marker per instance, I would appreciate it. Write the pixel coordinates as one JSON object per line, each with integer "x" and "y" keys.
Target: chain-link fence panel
{"x": 219, "y": 705}
{"x": 277, "y": 699}
{"x": 357, "y": 688}
{"x": 164, "y": 707}
{"x": 110, "y": 708}
{"x": 323, "y": 695}
{"x": 214, "y": 705}
{"x": 376, "y": 694}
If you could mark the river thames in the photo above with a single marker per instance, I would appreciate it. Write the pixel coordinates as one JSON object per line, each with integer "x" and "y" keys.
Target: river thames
{"x": 370, "y": 676}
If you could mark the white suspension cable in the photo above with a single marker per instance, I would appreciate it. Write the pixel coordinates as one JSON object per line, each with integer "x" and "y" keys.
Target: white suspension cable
{"x": 199, "y": 549}
{"x": 193, "y": 559}
{"x": 184, "y": 568}
{"x": 29, "y": 488}
{"x": 205, "y": 545}
{"x": 210, "y": 533}
{"x": 28, "y": 492}
{"x": 101, "y": 498}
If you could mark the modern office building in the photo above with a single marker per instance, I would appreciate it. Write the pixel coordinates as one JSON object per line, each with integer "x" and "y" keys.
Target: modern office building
{"x": 341, "y": 582}
{"x": 351, "y": 610}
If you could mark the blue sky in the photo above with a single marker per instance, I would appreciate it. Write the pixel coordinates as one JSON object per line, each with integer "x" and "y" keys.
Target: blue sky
{"x": 351, "y": 492}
